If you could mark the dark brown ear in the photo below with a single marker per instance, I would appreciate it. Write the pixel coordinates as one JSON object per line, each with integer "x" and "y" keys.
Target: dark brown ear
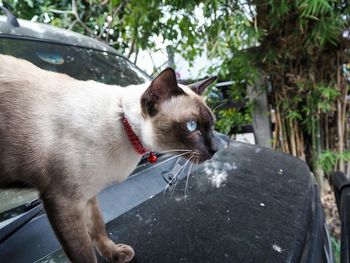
{"x": 163, "y": 87}
{"x": 200, "y": 86}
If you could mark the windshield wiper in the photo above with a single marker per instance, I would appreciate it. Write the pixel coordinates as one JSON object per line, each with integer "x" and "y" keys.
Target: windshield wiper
{"x": 30, "y": 210}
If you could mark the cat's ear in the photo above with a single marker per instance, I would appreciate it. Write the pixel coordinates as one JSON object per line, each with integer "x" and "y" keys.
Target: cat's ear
{"x": 200, "y": 86}
{"x": 163, "y": 87}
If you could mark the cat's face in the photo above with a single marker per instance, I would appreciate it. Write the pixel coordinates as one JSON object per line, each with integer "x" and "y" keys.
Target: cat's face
{"x": 179, "y": 117}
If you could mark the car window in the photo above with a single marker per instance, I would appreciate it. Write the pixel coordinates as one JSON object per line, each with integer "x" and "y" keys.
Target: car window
{"x": 77, "y": 62}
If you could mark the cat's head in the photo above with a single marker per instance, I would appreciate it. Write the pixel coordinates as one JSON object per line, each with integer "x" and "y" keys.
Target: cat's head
{"x": 179, "y": 117}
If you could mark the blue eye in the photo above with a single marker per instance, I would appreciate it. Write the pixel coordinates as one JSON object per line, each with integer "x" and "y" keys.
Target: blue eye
{"x": 191, "y": 125}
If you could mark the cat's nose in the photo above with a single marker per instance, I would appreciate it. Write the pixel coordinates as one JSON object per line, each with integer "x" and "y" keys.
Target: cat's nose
{"x": 214, "y": 146}
{"x": 213, "y": 149}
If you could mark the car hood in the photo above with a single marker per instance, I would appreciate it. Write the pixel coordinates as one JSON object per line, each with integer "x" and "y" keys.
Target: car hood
{"x": 247, "y": 204}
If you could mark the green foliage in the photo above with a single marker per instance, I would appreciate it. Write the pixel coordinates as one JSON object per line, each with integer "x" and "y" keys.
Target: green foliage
{"x": 126, "y": 25}
{"x": 302, "y": 51}
{"x": 231, "y": 115}
{"x": 314, "y": 7}
{"x": 329, "y": 159}
{"x": 319, "y": 99}
{"x": 336, "y": 249}
{"x": 232, "y": 118}
{"x": 230, "y": 32}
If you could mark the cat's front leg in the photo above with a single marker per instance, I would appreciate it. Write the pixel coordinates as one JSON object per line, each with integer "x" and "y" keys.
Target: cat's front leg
{"x": 116, "y": 253}
{"x": 67, "y": 219}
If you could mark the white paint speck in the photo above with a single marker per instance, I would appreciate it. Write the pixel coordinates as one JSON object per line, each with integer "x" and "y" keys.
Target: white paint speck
{"x": 218, "y": 179}
{"x": 262, "y": 204}
{"x": 217, "y": 173}
{"x": 280, "y": 171}
{"x": 180, "y": 198}
{"x": 277, "y": 248}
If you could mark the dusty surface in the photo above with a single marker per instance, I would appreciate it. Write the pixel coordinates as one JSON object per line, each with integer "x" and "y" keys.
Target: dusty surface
{"x": 15, "y": 197}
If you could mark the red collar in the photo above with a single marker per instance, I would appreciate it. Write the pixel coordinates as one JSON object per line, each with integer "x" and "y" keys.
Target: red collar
{"x": 136, "y": 142}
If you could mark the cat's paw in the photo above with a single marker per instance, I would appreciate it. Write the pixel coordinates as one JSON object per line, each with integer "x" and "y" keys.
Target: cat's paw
{"x": 122, "y": 253}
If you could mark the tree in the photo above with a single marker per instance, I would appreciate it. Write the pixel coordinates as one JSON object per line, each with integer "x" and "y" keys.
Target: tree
{"x": 300, "y": 49}
{"x": 127, "y": 25}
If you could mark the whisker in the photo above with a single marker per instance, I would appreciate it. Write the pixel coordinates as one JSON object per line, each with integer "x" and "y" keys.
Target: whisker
{"x": 181, "y": 169}
{"x": 188, "y": 176}
{"x": 175, "y": 150}
{"x": 218, "y": 106}
{"x": 169, "y": 159}
{"x": 185, "y": 167}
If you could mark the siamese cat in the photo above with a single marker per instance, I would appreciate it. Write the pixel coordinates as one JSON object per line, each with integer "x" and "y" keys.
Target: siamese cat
{"x": 70, "y": 139}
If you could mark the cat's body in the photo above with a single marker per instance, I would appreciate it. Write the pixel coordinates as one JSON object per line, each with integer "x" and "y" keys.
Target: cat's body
{"x": 65, "y": 138}
{"x": 74, "y": 124}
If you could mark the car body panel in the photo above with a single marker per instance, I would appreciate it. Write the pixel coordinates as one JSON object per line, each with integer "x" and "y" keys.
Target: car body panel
{"x": 247, "y": 204}
{"x": 50, "y": 33}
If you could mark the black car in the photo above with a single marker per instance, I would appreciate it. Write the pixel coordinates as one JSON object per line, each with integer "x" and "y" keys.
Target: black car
{"x": 246, "y": 204}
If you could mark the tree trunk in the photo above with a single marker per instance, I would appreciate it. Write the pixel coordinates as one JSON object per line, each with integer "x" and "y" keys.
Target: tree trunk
{"x": 340, "y": 118}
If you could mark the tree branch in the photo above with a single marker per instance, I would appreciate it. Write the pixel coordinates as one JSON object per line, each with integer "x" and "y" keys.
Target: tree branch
{"x": 55, "y": 11}
{"x": 136, "y": 55}
{"x": 71, "y": 26}
{"x": 75, "y": 13}
{"x": 119, "y": 8}
{"x": 131, "y": 48}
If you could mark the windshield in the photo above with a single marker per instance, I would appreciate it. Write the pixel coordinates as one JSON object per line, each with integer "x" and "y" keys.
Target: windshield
{"x": 77, "y": 62}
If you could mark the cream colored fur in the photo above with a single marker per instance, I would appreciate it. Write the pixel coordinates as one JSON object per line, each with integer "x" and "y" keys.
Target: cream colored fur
{"x": 68, "y": 116}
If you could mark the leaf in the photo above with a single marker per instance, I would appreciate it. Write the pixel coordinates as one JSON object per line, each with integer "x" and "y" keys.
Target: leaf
{"x": 29, "y": 3}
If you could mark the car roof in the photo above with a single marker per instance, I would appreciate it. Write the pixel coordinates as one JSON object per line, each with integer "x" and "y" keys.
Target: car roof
{"x": 28, "y": 29}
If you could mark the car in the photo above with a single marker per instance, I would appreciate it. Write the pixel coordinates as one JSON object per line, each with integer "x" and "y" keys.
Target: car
{"x": 247, "y": 204}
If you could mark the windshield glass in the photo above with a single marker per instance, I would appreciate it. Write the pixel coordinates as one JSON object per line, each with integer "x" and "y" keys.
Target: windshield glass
{"x": 77, "y": 62}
